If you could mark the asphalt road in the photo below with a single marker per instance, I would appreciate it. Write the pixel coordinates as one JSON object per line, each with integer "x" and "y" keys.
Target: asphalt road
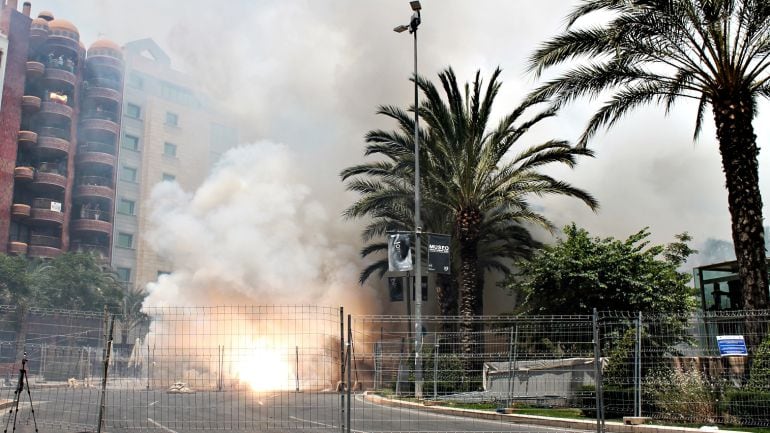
{"x": 129, "y": 411}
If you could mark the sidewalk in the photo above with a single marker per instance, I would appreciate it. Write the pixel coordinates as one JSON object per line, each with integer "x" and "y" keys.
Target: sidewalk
{"x": 610, "y": 426}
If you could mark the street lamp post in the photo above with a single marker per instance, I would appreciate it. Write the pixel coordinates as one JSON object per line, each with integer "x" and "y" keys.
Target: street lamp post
{"x": 418, "y": 380}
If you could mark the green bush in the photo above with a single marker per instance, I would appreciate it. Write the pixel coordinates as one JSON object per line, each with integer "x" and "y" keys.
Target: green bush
{"x": 759, "y": 375}
{"x": 748, "y": 407}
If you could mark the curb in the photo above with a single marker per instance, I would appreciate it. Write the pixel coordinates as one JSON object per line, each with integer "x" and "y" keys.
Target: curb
{"x": 4, "y": 404}
{"x": 610, "y": 426}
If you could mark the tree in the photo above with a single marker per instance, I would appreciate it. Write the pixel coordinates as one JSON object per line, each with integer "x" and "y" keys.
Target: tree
{"x": 716, "y": 52}
{"x": 581, "y": 273}
{"x": 77, "y": 281}
{"x": 471, "y": 179}
{"x": 14, "y": 279}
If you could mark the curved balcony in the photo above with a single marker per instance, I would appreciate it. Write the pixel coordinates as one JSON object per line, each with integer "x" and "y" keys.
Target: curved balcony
{"x": 44, "y": 246}
{"x": 59, "y": 39}
{"x": 59, "y": 77}
{"x": 104, "y": 60}
{"x": 94, "y": 225}
{"x": 20, "y": 210}
{"x": 38, "y": 33}
{"x": 30, "y": 103}
{"x": 94, "y": 187}
{"x": 101, "y": 251}
{"x": 51, "y": 180}
{"x": 99, "y": 124}
{"x": 23, "y": 173}
{"x": 103, "y": 93}
{"x": 95, "y": 153}
{"x": 27, "y": 139}
{"x": 35, "y": 69}
{"x": 46, "y": 212}
{"x": 53, "y": 141}
{"x": 55, "y": 109}
{"x": 17, "y": 248}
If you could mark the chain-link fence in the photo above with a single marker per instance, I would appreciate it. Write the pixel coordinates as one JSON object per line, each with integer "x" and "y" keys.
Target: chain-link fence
{"x": 315, "y": 369}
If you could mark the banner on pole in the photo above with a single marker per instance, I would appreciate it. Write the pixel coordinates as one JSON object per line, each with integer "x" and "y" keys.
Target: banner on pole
{"x": 438, "y": 253}
{"x": 399, "y": 252}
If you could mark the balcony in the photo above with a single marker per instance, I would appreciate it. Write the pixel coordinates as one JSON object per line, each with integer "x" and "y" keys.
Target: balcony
{"x": 46, "y": 212}
{"x": 100, "y": 251}
{"x": 94, "y": 187}
{"x": 59, "y": 77}
{"x": 94, "y": 221}
{"x": 17, "y": 248}
{"x": 103, "y": 93}
{"x": 20, "y": 211}
{"x": 23, "y": 173}
{"x": 55, "y": 110}
{"x": 99, "y": 124}
{"x": 49, "y": 178}
{"x": 38, "y": 32}
{"x": 96, "y": 61}
{"x": 35, "y": 70}
{"x": 53, "y": 141}
{"x": 27, "y": 139}
{"x": 44, "y": 246}
{"x": 30, "y": 103}
{"x": 95, "y": 153}
{"x": 106, "y": 83}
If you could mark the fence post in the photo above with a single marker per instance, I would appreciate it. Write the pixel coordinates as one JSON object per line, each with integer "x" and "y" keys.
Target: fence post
{"x": 350, "y": 357}
{"x": 638, "y": 368}
{"x": 598, "y": 375}
{"x": 296, "y": 364}
{"x": 342, "y": 370}
{"x": 103, "y": 397}
{"x": 435, "y": 368}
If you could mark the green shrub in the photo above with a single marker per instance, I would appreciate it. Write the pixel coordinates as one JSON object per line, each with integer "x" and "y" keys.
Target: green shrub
{"x": 684, "y": 395}
{"x": 748, "y": 407}
{"x": 759, "y": 375}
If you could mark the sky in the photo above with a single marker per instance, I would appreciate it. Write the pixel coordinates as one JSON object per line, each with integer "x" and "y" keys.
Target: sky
{"x": 310, "y": 74}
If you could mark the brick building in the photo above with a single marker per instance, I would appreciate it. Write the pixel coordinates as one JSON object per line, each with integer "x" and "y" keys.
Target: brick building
{"x": 59, "y": 130}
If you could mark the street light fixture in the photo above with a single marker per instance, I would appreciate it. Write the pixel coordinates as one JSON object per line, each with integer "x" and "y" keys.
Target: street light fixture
{"x": 414, "y": 23}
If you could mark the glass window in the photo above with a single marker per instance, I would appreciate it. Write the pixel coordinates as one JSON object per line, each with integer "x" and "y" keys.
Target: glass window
{"x": 131, "y": 142}
{"x": 134, "y": 111}
{"x": 125, "y": 240}
{"x": 169, "y": 149}
{"x": 168, "y": 177}
{"x": 126, "y": 206}
{"x": 172, "y": 119}
{"x": 128, "y": 174}
{"x": 135, "y": 81}
{"x": 124, "y": 274}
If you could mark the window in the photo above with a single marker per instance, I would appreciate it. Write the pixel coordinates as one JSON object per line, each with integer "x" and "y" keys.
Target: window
{"x": 172, "y": 119}
{"x": 131, "y": 142}
{"x": 125, "y": 240}
{"x": 134, "y": 111}
{"x": 169, "y": 149}
{"x": 168, "y": 177}
{"x": 126, "y": 206}
{"x": 128, "y": 174}
{"x": 162, "y": 273}
{"x": 124, "y": 274}
{"x": 135, "y": 81}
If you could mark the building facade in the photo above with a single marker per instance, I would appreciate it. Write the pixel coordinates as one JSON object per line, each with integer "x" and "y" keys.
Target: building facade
{"x": 59, "y": 129}
{"x": 170, "y": 133}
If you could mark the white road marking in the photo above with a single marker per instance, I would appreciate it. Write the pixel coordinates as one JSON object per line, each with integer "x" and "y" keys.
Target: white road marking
{"x": 322, "y": 424}
{"x": 157, "y": 424}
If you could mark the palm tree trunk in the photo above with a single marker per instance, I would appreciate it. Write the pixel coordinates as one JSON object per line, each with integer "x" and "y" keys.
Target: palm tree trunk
{"x": 737, "y": 145}
{"x": 446, "y": 295}
{"x": 467, "y": 228}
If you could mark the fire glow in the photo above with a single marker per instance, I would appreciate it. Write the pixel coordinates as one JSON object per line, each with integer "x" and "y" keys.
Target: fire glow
{"x": 263, "y": 368}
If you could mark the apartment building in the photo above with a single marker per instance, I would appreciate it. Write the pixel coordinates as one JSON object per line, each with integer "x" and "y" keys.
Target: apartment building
{"x": 170, "y": 133}
{"x": 59, "y": 129}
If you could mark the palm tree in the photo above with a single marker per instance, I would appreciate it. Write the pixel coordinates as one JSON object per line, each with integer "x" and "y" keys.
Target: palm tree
{"x": 473, "y": 185}
{"x": 716, "y": 52}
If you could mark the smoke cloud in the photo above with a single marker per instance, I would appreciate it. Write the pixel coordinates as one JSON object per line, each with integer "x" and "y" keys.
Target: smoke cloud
{"x": 251, "y": 234}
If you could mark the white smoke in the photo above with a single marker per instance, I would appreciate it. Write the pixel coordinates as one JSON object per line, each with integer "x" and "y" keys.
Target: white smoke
{"x": 251, "y": 234}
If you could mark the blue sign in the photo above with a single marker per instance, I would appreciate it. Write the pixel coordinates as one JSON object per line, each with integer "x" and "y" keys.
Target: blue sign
{"x": 731, "y": 345}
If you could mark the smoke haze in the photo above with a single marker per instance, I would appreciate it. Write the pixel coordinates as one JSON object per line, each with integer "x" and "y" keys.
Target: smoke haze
{"x": 310, "y": 74}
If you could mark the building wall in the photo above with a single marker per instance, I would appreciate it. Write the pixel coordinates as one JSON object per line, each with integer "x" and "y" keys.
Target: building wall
{"x": 16, "y": 27}
{"x": 157, "y": 89}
